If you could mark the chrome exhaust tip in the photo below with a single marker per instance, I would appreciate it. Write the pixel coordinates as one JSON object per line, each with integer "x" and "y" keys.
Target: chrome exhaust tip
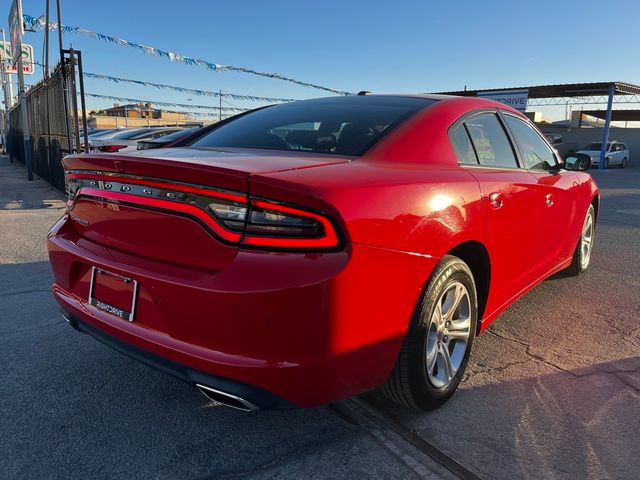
{"x": 69, "y": 318}
{"x": 227, "y": 399}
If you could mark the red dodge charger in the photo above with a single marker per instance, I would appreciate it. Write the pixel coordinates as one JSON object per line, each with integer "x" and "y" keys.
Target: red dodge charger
{"x": 306, "y": 252}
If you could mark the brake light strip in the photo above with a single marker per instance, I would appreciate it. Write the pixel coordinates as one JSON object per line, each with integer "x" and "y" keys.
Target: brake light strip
{"x": 169, "y": 205}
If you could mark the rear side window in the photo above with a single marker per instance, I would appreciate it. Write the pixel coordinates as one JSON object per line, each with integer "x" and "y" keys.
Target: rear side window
{"x": 463, "y": 147}
{"x": 535, "y": 153}
{"x": 490, "y": 141}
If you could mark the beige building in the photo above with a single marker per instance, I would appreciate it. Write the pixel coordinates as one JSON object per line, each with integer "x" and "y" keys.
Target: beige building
{"x": 137, "y": 115}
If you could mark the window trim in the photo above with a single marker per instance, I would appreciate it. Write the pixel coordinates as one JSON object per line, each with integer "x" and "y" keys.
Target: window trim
{"x": 462, "y": 121}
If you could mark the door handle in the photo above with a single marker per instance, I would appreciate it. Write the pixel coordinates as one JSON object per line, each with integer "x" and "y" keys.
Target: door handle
{"x": 495, "y": 200}
{"x": 549, "y": 199}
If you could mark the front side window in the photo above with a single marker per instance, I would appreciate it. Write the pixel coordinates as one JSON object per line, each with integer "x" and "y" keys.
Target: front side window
{"x": 490, "y": 141}
{"x": 535, "y": 153}
{"x": 339, "y": 125}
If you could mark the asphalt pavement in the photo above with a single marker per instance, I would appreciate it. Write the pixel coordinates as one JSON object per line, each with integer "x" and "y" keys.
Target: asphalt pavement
{"x": 553, "y": 387}
{"x": 74, "y": 408}
{"x": 552, "y": 390}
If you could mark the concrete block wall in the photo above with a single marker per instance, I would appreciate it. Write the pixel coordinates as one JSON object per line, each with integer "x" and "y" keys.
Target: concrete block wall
{"x": 583, "y": 136}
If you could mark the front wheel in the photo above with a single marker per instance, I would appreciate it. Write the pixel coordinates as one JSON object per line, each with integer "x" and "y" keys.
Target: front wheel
{"x": 436, "y": 349}
{"x": 582, "y": 253}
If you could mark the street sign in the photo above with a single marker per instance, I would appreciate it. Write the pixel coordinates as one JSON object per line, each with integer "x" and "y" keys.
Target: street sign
{"x": 514, "y": 98}
{"x": 11, "y": 67}
{"x": 16, "y": 28}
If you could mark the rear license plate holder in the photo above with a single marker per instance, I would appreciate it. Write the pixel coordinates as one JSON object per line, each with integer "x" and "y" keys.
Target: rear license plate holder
{"x": 113, "y": 293}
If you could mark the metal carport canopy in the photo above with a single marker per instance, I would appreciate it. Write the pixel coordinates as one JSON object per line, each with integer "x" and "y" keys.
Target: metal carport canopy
{"x": 616, "y": 115}
{"x": 568, "y": 90}
{"x": 562, "y": 90}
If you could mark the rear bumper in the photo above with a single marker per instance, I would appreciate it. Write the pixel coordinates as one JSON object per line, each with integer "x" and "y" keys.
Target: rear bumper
{"x": 302, "y": 329}
{"x": 254, "y": 395}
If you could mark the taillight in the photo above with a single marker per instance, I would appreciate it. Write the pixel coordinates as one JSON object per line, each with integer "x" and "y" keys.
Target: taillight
{"x": 235, "y": 218}
{"x": 231, "y": 214}
{"x": 276, "y": 225}
{"x": 111, "y": 148}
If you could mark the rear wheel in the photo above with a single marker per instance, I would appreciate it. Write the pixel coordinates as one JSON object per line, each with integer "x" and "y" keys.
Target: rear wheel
{"x": 436, "y": 349}
{"x": 582, "y": 254}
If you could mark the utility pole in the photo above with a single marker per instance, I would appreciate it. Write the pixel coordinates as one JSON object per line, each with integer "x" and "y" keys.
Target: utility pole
{"x": 46, "y": 44}
{"x": 220, "y": 107}
{"x": 5, "y": 91}
{"x": 46, "y": 81}
{"x": 17, "y": 30}
{"x": 5, "y": 110}
{"x": 7, "y": 84}
{"x": 26, "y": 138}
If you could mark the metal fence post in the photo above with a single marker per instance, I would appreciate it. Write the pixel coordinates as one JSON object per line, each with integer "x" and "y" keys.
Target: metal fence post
{"x": 82, "y": 102}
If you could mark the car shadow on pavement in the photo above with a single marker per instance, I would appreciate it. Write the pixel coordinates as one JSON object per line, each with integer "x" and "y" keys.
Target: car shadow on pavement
{"x": 580, "y": 423}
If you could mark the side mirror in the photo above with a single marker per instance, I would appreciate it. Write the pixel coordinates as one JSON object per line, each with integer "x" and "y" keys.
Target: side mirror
{"x": 577, "y": 162}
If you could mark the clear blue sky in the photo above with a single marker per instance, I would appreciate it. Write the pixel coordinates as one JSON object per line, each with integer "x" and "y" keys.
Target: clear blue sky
{"x": 381, "y": 46}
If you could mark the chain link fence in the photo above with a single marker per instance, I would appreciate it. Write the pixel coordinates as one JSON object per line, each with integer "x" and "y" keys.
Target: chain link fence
{"x": 47, "y": 126}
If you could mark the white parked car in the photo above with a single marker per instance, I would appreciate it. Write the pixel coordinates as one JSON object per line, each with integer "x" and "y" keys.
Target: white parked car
{"x": 617, "y": 154}
{"x": 127, "y": 140}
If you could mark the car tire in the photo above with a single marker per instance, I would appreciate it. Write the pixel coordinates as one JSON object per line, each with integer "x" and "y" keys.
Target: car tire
{"x": 435, "y": 353}
{"x": 579, "y": 262}
{"x": 624, "y": 162}
{"x": 606, "y": 163}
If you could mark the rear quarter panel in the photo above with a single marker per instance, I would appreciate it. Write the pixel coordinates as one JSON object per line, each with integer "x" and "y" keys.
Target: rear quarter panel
{"x": 423, "y": 209}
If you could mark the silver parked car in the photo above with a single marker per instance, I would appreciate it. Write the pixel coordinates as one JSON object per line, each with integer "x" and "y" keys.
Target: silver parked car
{"x": 127, "y": 140}
{"x": 617, "y": 154}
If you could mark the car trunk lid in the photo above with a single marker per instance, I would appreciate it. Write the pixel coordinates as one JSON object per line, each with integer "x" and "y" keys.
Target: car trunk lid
{"x": 154, "y": 204}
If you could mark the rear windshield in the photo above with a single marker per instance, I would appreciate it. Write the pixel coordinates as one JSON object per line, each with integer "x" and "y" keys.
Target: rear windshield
{"x": 132, "y": 134}
{"x": 339, "y": 125}
{"x": 102, "y": 133}
{"x": 173, "y": 136}
{"x": 139, "y": 133}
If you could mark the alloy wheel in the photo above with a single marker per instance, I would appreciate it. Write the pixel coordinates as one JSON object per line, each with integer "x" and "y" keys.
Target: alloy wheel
{"x": 586, "y": 241}
{"x": 448, "y": 335}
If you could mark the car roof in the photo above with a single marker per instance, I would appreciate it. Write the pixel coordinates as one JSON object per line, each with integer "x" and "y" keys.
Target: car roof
{"x": 430, "y": 100}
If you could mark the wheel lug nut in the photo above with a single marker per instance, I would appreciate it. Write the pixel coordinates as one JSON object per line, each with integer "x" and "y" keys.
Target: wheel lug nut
{"x": 447, "y": 324}
{"x": 445, "y": 339}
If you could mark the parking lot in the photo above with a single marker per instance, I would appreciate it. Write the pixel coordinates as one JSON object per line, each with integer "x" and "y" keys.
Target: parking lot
{"x": 552, "y": 390}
